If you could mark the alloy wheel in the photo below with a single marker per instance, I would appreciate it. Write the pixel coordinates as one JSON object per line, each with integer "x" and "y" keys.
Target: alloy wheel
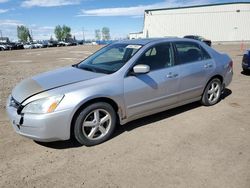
{"x": 96, "y": 124}
{"x": 213, "y": 93}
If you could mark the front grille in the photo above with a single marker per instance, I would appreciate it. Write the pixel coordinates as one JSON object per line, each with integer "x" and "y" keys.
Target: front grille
{"x": 16, "y": 105}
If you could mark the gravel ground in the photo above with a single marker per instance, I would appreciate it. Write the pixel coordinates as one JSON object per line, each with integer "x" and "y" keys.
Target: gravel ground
{"x": 190, "y": 146}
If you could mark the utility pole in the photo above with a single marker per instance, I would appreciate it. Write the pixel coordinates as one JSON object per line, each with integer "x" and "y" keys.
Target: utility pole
{"x": 31, "y": 35}
{"x": 1, "y": 34}
{"x": 83, "y": 34}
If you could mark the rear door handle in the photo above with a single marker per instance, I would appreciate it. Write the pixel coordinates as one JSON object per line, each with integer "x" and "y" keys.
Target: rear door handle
{"x": 172, "y": 75}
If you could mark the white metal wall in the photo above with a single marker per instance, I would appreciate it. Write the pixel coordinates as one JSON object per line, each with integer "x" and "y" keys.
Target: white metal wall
{"x": 229, "y": 22}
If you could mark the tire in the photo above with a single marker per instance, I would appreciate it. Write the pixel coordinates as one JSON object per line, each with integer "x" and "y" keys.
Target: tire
{"x": 212, "y": 92}
{"x": 95, "y": 124}
{"x": 246, "y": 71}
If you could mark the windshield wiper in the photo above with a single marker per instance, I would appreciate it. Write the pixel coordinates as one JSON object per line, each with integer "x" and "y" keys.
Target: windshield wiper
{"x": 91, "y": 69}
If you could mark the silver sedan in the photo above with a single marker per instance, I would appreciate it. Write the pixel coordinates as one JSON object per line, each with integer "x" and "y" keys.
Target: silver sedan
{"x": 121, "y": 82}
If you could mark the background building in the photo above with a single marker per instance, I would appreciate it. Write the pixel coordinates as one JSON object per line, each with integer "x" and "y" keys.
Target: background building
{"x": 218, "y": 22}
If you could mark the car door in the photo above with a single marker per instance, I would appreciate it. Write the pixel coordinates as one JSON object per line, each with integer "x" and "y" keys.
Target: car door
{"x": 195, "y": 66}
{"x": 144, "y": 93}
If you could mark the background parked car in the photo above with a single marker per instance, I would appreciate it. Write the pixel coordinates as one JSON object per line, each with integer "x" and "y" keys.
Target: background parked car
{"x": 52, "y": 43}
{"x": 62, "y": 43}
{"x": 200, "y": 38}
{"x": 246, "y": 61}
{"x": 11, "y": 46}
{"x": 37, "y": 45}
{"x": 3, "y": 47}
{"x": 6, "y": 46}
{"x": 28, "y": 46}
{"x": 44, "y": 43}
{"x": 80, "y": 42}
{"x": 16, "y": 45}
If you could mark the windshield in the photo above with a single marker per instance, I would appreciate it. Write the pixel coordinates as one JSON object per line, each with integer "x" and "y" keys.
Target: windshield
{"x": 200, "y": 38}
{"x": 110, "y": 58}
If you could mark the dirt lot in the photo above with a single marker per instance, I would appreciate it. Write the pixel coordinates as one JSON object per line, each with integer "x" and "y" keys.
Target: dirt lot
{"x": 190, "y": 146}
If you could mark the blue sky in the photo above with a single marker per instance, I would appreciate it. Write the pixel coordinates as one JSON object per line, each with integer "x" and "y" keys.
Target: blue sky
{"x": 121, "y": 16}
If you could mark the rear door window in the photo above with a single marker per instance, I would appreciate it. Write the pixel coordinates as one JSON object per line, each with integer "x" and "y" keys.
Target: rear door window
{"x": 188, "y": 52}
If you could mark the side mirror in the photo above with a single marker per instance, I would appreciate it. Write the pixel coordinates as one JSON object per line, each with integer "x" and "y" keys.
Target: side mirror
{"x": 141, "y": 69}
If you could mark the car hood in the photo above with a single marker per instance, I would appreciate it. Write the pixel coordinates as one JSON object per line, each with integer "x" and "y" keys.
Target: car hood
{"x": 50, "y": 80}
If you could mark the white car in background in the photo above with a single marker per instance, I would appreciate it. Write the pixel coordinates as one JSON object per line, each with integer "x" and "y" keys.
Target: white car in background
{"x": 37, "y": 45}
{"x": 3, "y": 47}
{"x": 62, "y": 43}
{"x": 28, "y": 46}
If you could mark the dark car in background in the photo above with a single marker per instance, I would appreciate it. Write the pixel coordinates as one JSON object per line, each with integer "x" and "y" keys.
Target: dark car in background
{"x": 199, "y": 38}
{"x": 10, "y": 46}
{"x": 80, "y": 42}
{"x": 71, "y": 42}
{"x": 16, "y": 45}
{"x": 246, "y": 61}
{"x": 52, "y": 43}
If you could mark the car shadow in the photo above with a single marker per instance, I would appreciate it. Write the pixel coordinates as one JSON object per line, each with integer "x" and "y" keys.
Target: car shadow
{"x": 163, "y": 115}
{"x": 120, "y": 129}
{"x": 148, "y": 80}
{"x": 154, "y": 118}
{"x": 226, "y": 93}
{"x": 72, "y": 143}
{"x": 245, "y": 73}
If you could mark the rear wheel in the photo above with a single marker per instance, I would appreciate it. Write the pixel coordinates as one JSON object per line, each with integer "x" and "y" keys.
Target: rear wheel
{"x": 95, "y": 124}
{"x": 212, "y": 92}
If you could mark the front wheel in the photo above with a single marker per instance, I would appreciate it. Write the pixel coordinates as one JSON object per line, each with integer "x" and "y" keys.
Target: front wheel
{"x": 246, "y": 71}
{"x": 95, "y": 124}
{"x": 212, "y": 92}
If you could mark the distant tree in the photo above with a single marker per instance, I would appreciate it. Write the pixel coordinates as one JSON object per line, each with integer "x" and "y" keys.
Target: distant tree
{"x": 58, "y": 32}
{"x": 105, "y": 33}
{"x": 97, "y": 34}
{"x": 62, "y": 32}
{"x": 51, "y": 38}
{"x": 23, "y": 34}
{"x": 66, "y": 32}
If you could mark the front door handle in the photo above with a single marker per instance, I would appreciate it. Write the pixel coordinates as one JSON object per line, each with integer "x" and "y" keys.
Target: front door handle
{"x": 208, "y": 65}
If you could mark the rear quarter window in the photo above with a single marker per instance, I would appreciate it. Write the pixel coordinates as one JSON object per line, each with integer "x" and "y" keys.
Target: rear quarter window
{"x": 205, "y": 54}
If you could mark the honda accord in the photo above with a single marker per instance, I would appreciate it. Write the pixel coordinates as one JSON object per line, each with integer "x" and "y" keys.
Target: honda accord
{"x": 119, "y": 83}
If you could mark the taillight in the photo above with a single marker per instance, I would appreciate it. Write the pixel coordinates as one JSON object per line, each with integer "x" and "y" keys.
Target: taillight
{"x": 230, "y": 65}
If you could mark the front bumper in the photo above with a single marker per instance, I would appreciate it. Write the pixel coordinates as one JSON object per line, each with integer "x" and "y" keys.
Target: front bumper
{"x": 41, "y": 127}
{"x": 245, "y": 66}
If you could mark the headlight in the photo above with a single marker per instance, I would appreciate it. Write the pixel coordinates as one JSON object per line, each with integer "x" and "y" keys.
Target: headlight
{"x": 43, "y": 106}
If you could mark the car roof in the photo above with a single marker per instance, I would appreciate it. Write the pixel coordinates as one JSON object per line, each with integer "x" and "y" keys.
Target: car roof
{"x": 151, "y": 40}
